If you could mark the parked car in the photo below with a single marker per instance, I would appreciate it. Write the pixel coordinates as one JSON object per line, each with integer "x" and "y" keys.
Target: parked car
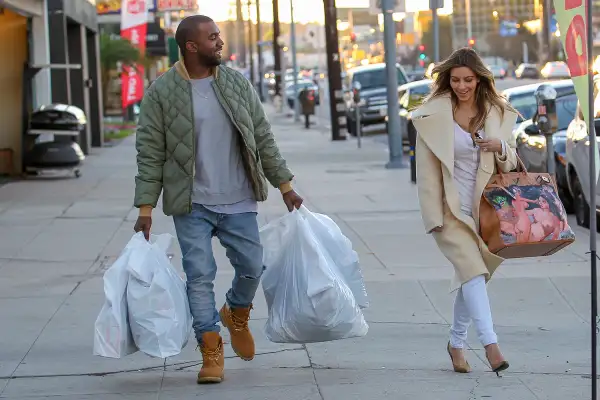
{"x": 302, "y": 84}
{"x": 409, "y": 97}
{"x": 497, "y": 71}
{"x": 578, "y": 158}
{"x": 416, "y": 75}
{"x": 531, "y": 146}
{"x": 555, "y": 70}
{"x": 527, "y": 71}
{"x": 373, "y": 82}
{"x": 523, "y": 97}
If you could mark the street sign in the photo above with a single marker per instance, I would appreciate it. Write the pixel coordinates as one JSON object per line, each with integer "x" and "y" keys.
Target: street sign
{"x": 375, "y": 6}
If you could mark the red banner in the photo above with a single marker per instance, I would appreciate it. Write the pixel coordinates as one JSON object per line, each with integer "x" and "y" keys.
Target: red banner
{"x": 134, "y": 20}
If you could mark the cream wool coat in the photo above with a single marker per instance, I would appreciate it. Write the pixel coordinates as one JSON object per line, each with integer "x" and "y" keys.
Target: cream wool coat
{"x": 459, "y": 240}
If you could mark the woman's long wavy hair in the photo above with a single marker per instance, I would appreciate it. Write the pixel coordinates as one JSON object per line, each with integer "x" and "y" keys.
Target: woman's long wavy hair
{"x": 486, "y": 95}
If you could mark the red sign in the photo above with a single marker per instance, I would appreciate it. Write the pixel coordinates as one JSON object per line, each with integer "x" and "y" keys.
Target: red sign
{"x": 176, "y": 5}
{"x": 134, "y": 19}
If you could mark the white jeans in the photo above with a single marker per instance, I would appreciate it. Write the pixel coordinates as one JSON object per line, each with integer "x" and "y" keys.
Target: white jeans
{"x": 472, "y": 304}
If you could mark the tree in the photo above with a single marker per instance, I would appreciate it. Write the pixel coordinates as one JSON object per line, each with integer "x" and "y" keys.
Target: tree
{"x": 115, "y": 52}
{"x": 445, "y": 38}
{"x": 511, "y": 47}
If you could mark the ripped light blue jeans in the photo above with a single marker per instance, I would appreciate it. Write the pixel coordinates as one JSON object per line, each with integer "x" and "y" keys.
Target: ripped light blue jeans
{"x": 238, "y": 233}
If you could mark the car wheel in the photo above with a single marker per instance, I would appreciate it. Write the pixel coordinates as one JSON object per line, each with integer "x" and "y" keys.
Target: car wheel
{"x": 580, "y": 205}
{"x": 567, "y": 200}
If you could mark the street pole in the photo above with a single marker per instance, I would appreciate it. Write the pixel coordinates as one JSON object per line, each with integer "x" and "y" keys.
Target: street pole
{"x": 433, "y": 6}
{"x": 250, "y": 46}
{"x": 593, "y": 153}
{"x": 336, "y": 95}
{"x": 261, "y": 72}
{"x": 394, "y": 133}
{"x": 294, "y": 63}
{"x": 468, "y": 16}
{"x": 241, "y": 37}
{"x": 276, "y": 48}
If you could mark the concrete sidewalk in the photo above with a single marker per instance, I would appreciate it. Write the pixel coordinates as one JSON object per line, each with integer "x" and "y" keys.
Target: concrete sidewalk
{"x": 59, "y": 236}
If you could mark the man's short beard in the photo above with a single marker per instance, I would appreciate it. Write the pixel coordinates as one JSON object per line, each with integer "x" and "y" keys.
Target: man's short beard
{"x": 209, "y": 61}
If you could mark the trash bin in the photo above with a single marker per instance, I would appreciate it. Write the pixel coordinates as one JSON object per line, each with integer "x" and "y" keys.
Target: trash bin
{"x": 412, "y": 142}
{"x": 307, "y": 103}
{"x": 55, "y": 129}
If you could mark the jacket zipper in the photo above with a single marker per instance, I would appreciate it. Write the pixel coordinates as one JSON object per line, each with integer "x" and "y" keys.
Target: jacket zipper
{"x": 190, "y": 206}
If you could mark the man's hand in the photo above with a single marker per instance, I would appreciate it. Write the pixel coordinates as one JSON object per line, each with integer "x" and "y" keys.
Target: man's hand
{"x": 143, "y": 224}
{"x": 292, "y": 200}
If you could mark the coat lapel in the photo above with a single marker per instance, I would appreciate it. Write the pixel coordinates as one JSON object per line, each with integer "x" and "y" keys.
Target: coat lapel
{"x": 434, "y": 122}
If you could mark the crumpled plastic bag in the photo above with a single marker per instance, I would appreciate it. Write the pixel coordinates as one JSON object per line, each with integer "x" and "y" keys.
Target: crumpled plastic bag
{"x": 146, "y": 307}
{"x": 307, "y": 294}
{"x": 159, "y": 312}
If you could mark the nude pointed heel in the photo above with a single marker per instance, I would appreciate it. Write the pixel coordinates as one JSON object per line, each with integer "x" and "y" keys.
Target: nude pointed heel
{"x": 460, "y": 368}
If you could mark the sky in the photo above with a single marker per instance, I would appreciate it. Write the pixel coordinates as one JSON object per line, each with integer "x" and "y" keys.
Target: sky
{"x": 309, "y": 11}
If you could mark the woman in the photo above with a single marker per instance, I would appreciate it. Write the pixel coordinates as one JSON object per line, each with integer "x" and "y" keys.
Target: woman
{"x": 463, "y": 128}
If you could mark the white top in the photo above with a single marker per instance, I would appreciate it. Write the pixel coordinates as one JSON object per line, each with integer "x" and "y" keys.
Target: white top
{"x": 466, "y": 163}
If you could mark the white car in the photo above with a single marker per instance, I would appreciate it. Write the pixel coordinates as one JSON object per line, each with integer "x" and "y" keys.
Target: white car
{"x": 555, "y": 70}
{"x": 578, "y": 159}
{"x": 497, "y": 71}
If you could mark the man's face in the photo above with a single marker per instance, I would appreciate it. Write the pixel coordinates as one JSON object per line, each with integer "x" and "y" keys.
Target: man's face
{"x": 206, "y": 44}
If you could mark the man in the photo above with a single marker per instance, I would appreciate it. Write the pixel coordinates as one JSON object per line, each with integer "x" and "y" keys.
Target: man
{"x": 205, "y": 141}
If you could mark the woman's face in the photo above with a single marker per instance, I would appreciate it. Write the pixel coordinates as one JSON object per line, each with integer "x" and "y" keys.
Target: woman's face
{"x": 464, "y": 83}
{"x": 544, "y": 204}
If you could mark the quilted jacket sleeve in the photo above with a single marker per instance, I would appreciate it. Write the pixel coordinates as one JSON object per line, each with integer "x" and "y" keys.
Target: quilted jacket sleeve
{"x": 273, "y": 164}
{"x": 151, "y": 155}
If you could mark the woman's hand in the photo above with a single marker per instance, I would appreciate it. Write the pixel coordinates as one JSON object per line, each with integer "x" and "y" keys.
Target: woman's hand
{"x": 437, "y": 229}
{"x": 493, "y": 145}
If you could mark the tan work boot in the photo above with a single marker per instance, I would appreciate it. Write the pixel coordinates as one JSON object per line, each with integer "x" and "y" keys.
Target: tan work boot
{"x": 236, "y": 321}
{"x": 213, "y": 361}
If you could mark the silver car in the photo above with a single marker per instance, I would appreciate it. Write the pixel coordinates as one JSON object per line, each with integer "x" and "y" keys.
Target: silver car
{"x": 578, "y": 159}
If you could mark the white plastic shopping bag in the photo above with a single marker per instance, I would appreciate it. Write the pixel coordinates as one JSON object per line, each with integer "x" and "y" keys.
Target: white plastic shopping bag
{"x": 159, "y": 312}
{"x": 112, "y": 335}
{"x": 341, "y": 251}
{"x": 307, "y": 296}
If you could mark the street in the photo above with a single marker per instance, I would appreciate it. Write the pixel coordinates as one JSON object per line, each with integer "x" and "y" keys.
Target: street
{"x": 60, "y": 235}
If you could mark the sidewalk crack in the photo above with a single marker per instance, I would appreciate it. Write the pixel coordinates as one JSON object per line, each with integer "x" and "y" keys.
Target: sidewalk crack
{"x": 314, "y": 372}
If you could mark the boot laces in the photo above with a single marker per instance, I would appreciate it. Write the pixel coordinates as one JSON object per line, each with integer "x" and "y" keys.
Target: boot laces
{"x": 240, "y": 322}
{"x": 212, "y": 354}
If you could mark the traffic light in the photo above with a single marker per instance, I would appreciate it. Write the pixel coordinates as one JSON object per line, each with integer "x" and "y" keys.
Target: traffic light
{"x": 472, "y": 42}
{"x": 422, "y": 55}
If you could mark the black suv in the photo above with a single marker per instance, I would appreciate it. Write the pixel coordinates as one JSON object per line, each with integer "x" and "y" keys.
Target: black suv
{"x": 373, "y": 83}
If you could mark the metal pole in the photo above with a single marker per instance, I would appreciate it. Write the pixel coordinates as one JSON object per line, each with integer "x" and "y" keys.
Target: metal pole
{"x": 241, "y": 37}
{"x": 250, "y": 46}
{"x": 259, "y": 39}
{"x": 436, "y": 31}
{"x": 593, "y": 183}
{"x": 468, "y": 15}
{"x": 276, "y": 48}
{"x": 336, "y": 95}
{"x": 358, "y": 127}
{"x": 294, "y": 63}
{"x": 394, "y": 134}
{"x": 550, "y": 163}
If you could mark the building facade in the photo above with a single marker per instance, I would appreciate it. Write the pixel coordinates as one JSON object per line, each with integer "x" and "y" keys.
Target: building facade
{"x": 24, "y": 36}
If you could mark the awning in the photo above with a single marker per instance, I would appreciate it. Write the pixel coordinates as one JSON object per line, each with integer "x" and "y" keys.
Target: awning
{"x": 26, "y": 7}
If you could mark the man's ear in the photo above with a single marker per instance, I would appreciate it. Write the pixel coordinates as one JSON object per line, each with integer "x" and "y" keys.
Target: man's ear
{"x": 191, "y": 47}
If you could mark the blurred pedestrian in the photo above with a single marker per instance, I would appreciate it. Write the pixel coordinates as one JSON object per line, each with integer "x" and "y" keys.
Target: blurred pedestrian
{"x": 464, "y": 127}
{"x": 205, "y": 142}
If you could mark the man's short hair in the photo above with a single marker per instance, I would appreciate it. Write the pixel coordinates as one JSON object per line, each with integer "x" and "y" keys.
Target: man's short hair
{"x": 187, "y": 28}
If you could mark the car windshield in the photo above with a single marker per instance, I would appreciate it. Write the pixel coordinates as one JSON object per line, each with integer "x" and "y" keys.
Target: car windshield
{"x": 566, "y": 107}
{"x": 376, "y": 78}
{"x": 524, "y": 104}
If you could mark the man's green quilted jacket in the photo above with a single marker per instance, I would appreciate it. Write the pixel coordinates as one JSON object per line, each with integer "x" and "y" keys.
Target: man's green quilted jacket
{"x": 165, "y": 139}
